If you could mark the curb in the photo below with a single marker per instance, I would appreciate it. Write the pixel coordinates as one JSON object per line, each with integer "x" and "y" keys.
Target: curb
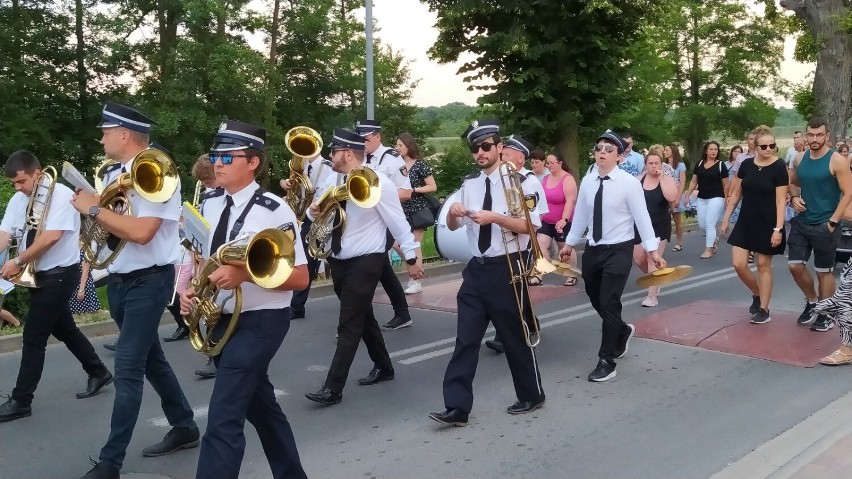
{"x": 13, "y": 342}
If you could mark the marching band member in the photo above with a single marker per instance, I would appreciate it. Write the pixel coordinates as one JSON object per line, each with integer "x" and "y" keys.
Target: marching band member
{"x": 242, "y": 390}
{"x": 55, "y": 253}
{"x": 610, "y": 202}
{"x": 317, "y": 169}
{"x": 486, "y": 293}
{"x": 358, "y": 256}
{"x": 140, "y": 284}
{"x": 388, "y": 161}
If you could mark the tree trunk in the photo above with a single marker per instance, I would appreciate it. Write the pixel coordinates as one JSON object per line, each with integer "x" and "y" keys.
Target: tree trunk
{"x": 833, "y": 75}
{"x": 82, "y": 77}
{"x": 569, "y": 147}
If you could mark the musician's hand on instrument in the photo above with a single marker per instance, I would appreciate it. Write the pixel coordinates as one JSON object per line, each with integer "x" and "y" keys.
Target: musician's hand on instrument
{"x": 416, "y": 270}
{"x": 82, "y": 201}
{"x": 566, "y": 252}
{"x": 186, "y": 300}
{"x": 659, "y": 261}
{"x": 458, "y": 210}
{"x": 314, "y": 210}
{"x": 229, "y": 277}
{"x": 10, "y": 269}
{"x": 285, "y": 183}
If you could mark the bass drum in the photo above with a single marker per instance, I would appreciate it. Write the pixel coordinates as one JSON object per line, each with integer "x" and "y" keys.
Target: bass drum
{"x": 451, "y": 245}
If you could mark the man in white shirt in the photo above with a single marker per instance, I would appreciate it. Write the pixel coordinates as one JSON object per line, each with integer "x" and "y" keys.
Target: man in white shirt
{"x": 243, "y": 391}
{"x": 609, "y": 204}
{"x": 55, "y": 260}
{"x": 141, "y": 282}
{"x": 358, "y": 255}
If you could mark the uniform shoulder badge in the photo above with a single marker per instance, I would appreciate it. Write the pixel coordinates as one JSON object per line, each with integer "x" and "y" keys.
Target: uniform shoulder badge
{"x": 403, "y": 170}
{"x": 521, "y": 177}
{"x": 326, "y": 162}
{"x": 107, "y": 169}
{"x": 261, "y": 199}
{"x": 213, "y": 194}
{"x": 392, "y": 152}
{"x": 529, "y": 173}
{"x": 472, "y": 176}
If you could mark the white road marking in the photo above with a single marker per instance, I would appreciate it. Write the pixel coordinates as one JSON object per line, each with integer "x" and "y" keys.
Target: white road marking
{"x": 586, "y": 310}
{"x": 200, "y": 412}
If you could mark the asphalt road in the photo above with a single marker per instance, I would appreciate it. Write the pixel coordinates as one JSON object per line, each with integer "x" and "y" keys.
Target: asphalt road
{"x": 672, "y": 412}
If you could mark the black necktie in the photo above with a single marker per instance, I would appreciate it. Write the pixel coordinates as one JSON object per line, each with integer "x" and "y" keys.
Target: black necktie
{"x": 222, "y": 226}
{"x": 310, "y": 169}
{"x": 597, "y": 215}
{"x": 369, "y": 157}
{"x": 30, "y": 237}
{"x": 337, "y": 233}
{"x": 123, "y": 169}
{"x": 485, "y": 230}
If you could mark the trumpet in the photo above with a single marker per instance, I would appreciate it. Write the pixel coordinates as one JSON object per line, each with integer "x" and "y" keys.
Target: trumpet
{"x": 519, "y": 206}
{"x": 362, "y": 188}
{"x": 269, "y": 257}
{"x": 154, "y": 177}
{"x": 302, "y": 142}
{"x": 35, "y": 219}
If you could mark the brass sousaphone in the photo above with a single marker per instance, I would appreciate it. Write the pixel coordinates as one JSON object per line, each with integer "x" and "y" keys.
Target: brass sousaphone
{"x": 302, "y": 142}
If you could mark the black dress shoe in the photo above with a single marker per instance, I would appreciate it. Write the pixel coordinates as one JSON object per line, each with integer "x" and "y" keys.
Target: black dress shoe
{"x": 603, "y": 372}
{"x": 175, "y": 440}
{"x": 179, "y": 334}
{"x": 523, "y": 407}
{"x": 450, "y": 417}
{"x": 110, "y": 346}
{"x": 376, "y": 375}
{"x": 208, "y": 371}
{"x": 95, "y": 384}
{"x": 102, "y": 470}
{"x": 297, "y": 315}
{"x": 325, "y": 396}
{"x": 494, "y": 345}
{"x": 13, "y": 409}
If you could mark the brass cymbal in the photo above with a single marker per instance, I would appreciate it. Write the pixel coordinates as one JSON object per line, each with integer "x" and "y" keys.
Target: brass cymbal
{"x": 664, "y": 276}
{"x": 565, "y": 269}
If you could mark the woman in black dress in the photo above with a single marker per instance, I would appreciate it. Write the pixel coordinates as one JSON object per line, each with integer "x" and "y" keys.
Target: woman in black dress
{"x": 661, "y": 191}
{"x": 760, "y": 228}
{"x": 422, "y": 183}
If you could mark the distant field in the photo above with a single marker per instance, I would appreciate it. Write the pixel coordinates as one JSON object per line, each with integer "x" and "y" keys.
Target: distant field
{"x": 441, "y": 143}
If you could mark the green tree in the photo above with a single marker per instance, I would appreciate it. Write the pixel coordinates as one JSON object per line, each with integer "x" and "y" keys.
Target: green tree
{"x": 558, "y": 66}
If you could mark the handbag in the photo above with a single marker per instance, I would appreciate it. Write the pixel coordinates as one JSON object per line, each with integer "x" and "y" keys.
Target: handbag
{"x": 422, "y": 219}
{"x": 434, "y": 204}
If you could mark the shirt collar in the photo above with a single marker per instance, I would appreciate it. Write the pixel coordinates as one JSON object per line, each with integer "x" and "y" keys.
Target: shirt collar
{"x": 241, "y": 197}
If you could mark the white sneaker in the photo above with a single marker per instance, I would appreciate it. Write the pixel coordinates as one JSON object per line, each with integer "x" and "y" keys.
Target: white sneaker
{"x": 649, "y": 302}
{"x": 413, "y": 287}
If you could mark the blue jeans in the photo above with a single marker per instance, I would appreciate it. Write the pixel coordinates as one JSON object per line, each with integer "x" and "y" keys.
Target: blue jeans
{"x": 137, "y": 305}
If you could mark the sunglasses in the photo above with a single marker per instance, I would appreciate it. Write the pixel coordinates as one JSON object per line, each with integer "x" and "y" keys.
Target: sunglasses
{"x": 486, "y": 147}
{"x": 227, "y": 158}
{"x": 770, "y": 146}
{"x": 606, "y": 148}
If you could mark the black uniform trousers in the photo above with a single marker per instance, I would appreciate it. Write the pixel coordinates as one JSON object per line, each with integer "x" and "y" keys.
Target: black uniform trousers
{"x": 49, "y": 314}
{"x": 394, "y": 290}
{"x": 297, "y": 304}
{"x": 529, "y": 317}
{"x": 605, "y": 270}
{"x": 486, "y": 296}
{"x": 355, "y": 282}
{"x": 243, "y": 392}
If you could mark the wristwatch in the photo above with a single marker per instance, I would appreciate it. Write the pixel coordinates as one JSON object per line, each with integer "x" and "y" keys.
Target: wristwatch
{"x": 94, "y": 210}
{"x": 412, "y": 261}
{"x": 19, "y": 263}
{"x": 777, "y": 230}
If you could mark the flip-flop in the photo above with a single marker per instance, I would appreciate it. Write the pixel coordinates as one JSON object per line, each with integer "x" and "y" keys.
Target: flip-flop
{"x": 534, "y": 281}
{"x": 677, "y": 247}
{"x": 571, "y": 281}
{"x": 706, "y": 255}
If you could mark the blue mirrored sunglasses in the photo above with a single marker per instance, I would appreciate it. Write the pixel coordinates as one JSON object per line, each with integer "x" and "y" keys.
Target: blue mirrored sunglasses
{"x": 227, "y": 158}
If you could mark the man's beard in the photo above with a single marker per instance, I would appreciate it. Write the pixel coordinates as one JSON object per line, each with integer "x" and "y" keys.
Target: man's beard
{"x": 487, "y": 165}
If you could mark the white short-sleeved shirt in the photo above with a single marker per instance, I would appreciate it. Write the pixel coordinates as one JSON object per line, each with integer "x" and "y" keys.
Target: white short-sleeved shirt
{"x": 163, "y": 247}
{"x": 270, "y": 212}
{"x": 61, "y": 216}
{"x": 365, "y": 230}
{"x": 388, "y": 161}
{"x": 317, "y": 171}
{"x": 541, "y": 200}
{"x": 472, "y": 196}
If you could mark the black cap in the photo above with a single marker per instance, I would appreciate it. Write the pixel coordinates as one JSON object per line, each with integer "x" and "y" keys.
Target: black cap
{"x": 614, "y": 138}
{"x": 517, "y": 143}
{"x": 367, "y": 127}
{"x": 115, "y": 115}
{"x": 235, "y": 135}
{"x": 347, "y": 139}
{"x": 480, "y": 129}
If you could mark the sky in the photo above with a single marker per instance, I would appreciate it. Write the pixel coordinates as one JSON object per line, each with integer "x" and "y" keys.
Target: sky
{"x": 409, "y": 27}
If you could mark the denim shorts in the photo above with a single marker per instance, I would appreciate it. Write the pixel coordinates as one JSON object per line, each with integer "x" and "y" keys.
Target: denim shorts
{"x": 805, "y": 238}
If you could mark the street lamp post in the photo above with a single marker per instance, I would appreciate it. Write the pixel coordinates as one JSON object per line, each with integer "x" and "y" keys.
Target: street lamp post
{"x": 371, "y": 102}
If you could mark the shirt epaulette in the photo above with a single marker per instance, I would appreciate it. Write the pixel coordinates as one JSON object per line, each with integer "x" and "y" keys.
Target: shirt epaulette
{"x": 521, "y": 177}
{"x": 471, "y": 176}
{"x": 326, "y": 162}
{"x": 260, "y": 199}
{"x": 529, "y": 173}
{"x": 212, "y": 193}
{"x": 391, "y": 151}
{"x": 109, "y": 169}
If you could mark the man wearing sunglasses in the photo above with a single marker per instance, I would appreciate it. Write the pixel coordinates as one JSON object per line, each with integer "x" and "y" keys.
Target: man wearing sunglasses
{"x": 636, "y": 160}
{"x": 358, "y": 256}
{"x": 388, "y": 161}
{"x": 486, "y": 294}
{"x": 140, "y": 285}
{"x": 609, "y": 203}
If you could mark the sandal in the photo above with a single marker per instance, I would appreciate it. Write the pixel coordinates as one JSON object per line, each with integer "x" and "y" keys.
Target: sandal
{"x": 534, "y": 281}
{"x": 571, "y": 281}
{"x": 677, "y": 247}
{"x": 706, "y": 255}
{"x": 837, "y": 358}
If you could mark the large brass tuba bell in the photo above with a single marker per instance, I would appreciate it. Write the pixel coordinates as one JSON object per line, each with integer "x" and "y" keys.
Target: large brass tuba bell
{"x": 270, "y": 257}
{"x": 153, "y": 176}
{"x": 361, "y": 188}
{"x": 303, "y": 142}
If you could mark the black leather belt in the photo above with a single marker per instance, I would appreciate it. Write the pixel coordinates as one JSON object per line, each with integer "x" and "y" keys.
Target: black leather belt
{"x": 56, "y": 271}
{"x": 116, "y": 277}
{"x": 610, "y": 246}
{"x": 494, "y": 259}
